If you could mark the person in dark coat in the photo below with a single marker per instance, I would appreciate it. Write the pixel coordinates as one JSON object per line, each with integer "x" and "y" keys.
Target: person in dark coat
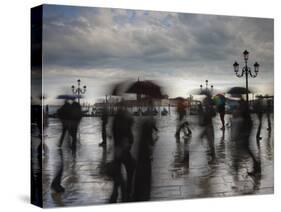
{"x": 182, "y": 123}
{"x": 269, "y": 110}
{"x": 143, "y": 173}
{"x": 258, "y": 108}
{"x": 104, "y": 120}
{"x": 244, "y": 133}
{"x": 123, "y": 140}
{"x": 207, "y": 114}
{"x": 64, "y": 116}
{"x": 75, "y": 118}
{"x": 221, "y": 111}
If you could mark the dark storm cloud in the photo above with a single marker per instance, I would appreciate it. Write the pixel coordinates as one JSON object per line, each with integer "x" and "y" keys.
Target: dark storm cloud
{"x": 107, "y": 41}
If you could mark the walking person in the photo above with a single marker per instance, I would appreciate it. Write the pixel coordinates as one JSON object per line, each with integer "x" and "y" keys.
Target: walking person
{"x": 221, "y": 111}
{"x": 258, "y": 108}
{"x": 269, "y": 109}
{"x": 75, "y": 118}
{"x": 64, "y": 115}
{"x": 182, "y": 123}
{"x": 245, "y": 130}
{"x": 123, "y": 140}
{"x": 143, "y": 173}
{"x": 207, "y": 113}
{"x": 219, "y": 101}
{"x": 104, "y": 121}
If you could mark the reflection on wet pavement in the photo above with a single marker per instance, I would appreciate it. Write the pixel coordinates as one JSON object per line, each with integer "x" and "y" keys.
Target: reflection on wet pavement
{"x": 179, "y": 169}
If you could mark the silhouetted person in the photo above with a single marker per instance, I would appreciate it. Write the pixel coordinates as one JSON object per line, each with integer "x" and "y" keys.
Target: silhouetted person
{"x": 47, "y": 110}
{"x": 75, "y": 118}
{"x": 207, "y": 113}
{"x": 258, "y": 108}
{"x": 182, "y": 123}
{"x": 269, "y": 109}
{"x": 221, "y": 111}
{"x": 104, "y": 120}
{"x": 64, "y": 114}
{"x": 123, "y": 140}
{"x": 142, "y": 183}
{"x": 245, "y": 130}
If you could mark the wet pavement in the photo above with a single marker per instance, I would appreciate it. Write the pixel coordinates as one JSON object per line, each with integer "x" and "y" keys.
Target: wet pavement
{"x": 179, "y": 169}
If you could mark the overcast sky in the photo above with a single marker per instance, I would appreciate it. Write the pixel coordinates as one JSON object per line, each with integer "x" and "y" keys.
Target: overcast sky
{"x": 102, "y": 46}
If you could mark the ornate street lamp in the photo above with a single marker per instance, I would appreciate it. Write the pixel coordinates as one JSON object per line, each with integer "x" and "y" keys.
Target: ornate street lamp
{"x": 206, "y": 84}
{"x": 78, "y": 91}
{"x": 246, "y": 70}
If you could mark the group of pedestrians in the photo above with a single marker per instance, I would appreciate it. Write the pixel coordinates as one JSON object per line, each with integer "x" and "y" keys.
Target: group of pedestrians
{"x": 136, "y": 185}
{"x": 241, "y": 125}
{"x": 70, "y": 115}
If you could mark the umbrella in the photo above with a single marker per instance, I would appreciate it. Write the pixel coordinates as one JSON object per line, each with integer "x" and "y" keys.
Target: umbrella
{"x": 68, "y": 96}
{"x": 238, "y": 91}
{"x": 146, "y": 87}
{"x": 118, "y": 88}
{"x": 219, "y": 99}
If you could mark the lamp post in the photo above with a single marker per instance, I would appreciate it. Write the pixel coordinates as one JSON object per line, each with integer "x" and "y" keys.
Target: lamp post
{"x": 206, "y": 84}
{"x": 246, "y": 70}
{"x": 78, "y": 90}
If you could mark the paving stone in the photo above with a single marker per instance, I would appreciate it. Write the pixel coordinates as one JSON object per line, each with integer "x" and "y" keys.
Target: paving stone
{"x": 172, "y": 176}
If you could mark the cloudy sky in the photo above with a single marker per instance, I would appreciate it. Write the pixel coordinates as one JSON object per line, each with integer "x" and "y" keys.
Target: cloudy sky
{"x": 101, "y": 46}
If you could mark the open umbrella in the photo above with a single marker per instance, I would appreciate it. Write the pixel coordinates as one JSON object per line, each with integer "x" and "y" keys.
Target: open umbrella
{"x": 219, "y": 99}
{"x": 238, "y": 91}
{"x": 146, "y": 87}
{"x": 117, "y": 89}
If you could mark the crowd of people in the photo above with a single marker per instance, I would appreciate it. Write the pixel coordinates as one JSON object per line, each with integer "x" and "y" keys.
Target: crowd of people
{"x": 136, "y": 184}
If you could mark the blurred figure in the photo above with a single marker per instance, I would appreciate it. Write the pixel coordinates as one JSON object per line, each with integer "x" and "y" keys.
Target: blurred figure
{"x": 75, "y": 118}
{"x": 64, "y": 116}
{"x": 207, "y": 113}
{"x": 269, "y": 109}
{"x": 142, "y": 183}
{"x": 41, "y": 122}
{"x": 258, "y": 108}
{"x": 182, "y": 123}
{"x": 219, "y": 100}
{"x": 243, "y": 132}
{"x": 221, "y": 111}
{"x": 123, "y": 140}
{"x": 104, "y": 120}
{"x": 70, "y": 116}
